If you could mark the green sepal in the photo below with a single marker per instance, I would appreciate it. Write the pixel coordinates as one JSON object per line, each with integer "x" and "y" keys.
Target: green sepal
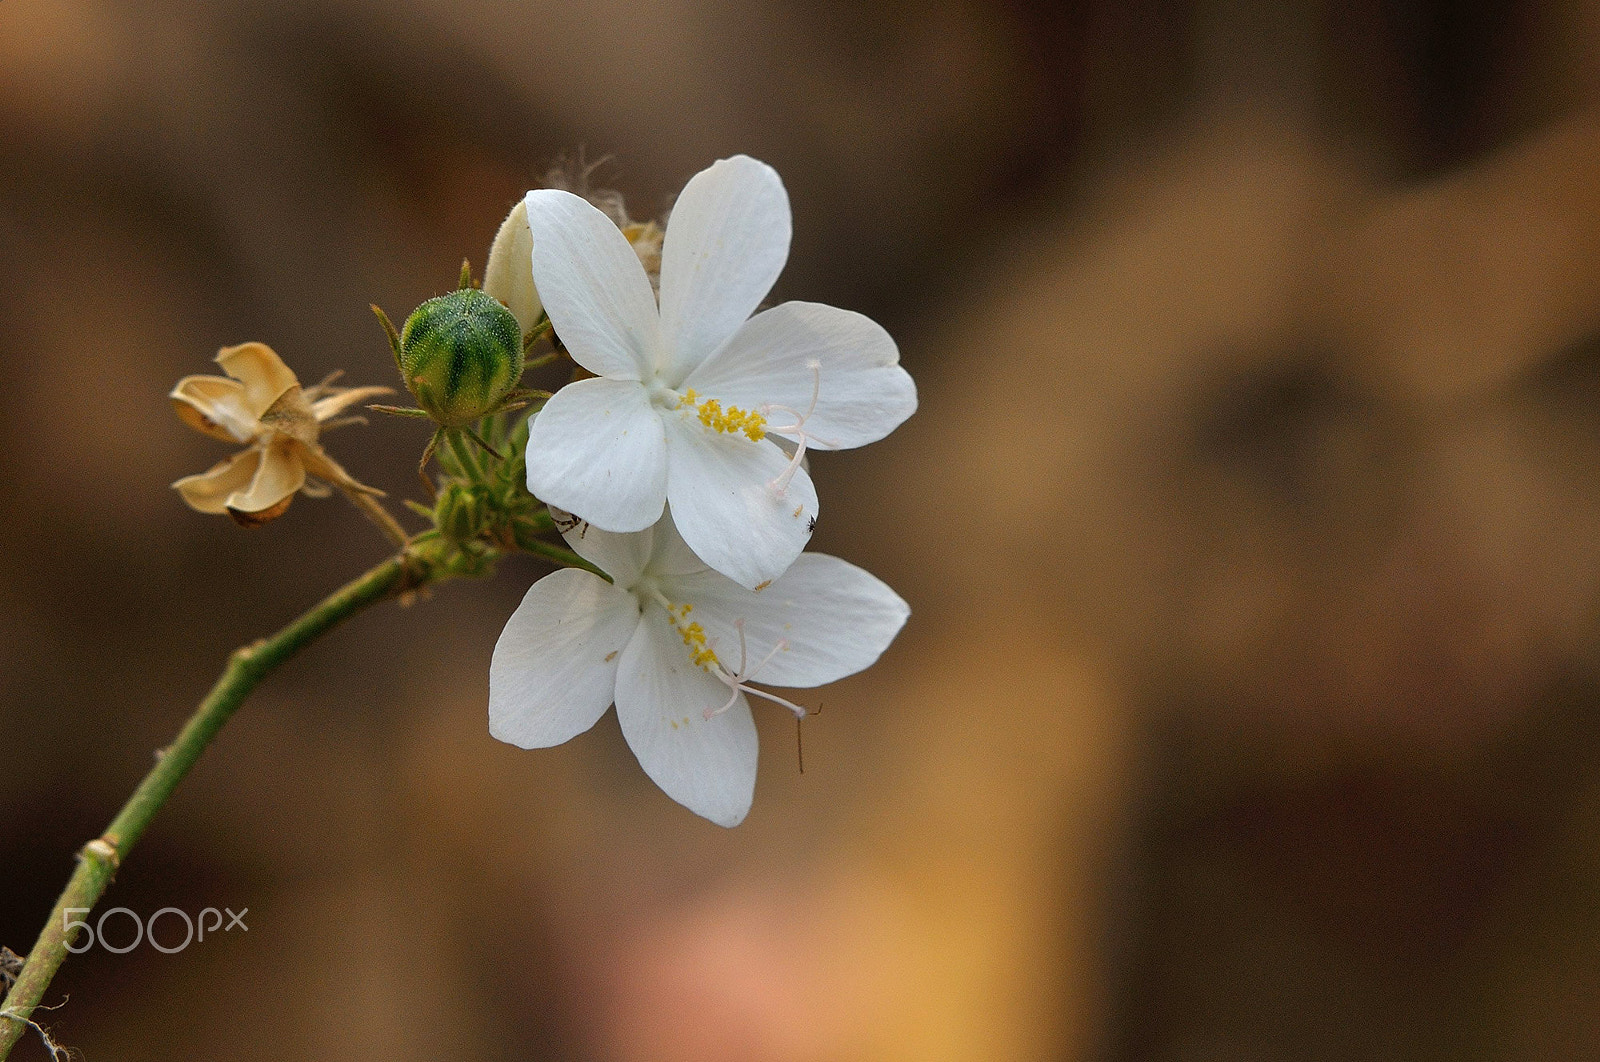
{"x": 394, "y": 336}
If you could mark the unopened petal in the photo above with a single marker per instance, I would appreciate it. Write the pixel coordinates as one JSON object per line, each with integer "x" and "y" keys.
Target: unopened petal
{"x": 263, "y": 373}
{"x": 726, "y": 243}
{"x": 598, "y": 449}
{"x": 208, "y": 492}
{"x": 706, "y": 764}
{"x": 593, "y": 287}
{"x": 279, "y": 475}
{"x": 215, "y": 406}
{"x": 726, "y": 505}
{"x": 508, "y": 276}
{"x": 831, "y": 617}
{"x": 785, "y": 355}
{"x": 554, "y": 671}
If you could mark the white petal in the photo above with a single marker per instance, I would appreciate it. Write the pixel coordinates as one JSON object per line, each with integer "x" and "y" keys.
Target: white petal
{"x": 725, "y": 507}
{"x": 707, "y": 765}
{"x": 726, "y": 243}
{"x": 621, "y": 556}
{"x": 597, "y": 449}
{"x": 658, "y": 549}
{"x": 836, "y": 619}
{"x": 670, "y": 554}
{"x": 508, "y": 275}
{"x": 554, "y": 671}
{"x": 593, "y": 287}
{"x": 862, "y": 392}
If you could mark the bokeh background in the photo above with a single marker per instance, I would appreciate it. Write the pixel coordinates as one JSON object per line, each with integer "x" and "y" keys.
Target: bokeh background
{"x": 1251, "y": 526}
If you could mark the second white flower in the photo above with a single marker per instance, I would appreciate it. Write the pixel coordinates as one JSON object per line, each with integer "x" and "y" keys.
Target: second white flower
{"x": 677, "y": 646}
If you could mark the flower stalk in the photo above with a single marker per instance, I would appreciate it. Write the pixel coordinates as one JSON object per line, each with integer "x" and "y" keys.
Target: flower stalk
{"x": 426, "y": 563}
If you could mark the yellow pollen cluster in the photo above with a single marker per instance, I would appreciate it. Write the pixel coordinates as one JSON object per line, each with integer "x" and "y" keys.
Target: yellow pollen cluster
{"x": 694, "y": 636}
{"x": 730, "y": 420}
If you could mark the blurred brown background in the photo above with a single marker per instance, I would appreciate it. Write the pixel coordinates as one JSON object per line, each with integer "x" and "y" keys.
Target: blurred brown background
{"x": 1251, "y": 526}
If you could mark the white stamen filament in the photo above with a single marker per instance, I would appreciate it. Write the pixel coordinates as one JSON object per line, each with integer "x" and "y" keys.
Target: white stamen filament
{"x": 797, "y": 429}
{"x": 738, "y": 682}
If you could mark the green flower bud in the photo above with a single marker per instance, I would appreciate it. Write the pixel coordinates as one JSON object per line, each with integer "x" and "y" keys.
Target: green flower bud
{"x": 460, "y": 355}
{"x": 461, "y": 512}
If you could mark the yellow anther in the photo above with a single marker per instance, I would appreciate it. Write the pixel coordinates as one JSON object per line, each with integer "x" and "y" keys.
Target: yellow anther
{"x": 693, "y": 635}
{"x": 730, "y": 421}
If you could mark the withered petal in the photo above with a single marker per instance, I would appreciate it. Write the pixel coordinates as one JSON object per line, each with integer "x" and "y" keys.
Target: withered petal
{"x": 214, "y": 406}
{"x": 208, "y": 491}
{"x": 263, "y": 373}
{"x": 280, "y": 474}
{"x": 343, "y": 398}
{"x": 319, "y": 464}
{"x": 244, "y": 519}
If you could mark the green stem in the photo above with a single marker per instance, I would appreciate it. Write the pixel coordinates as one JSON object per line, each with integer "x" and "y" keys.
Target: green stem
{"x": 471, "y": 468}
{"x": 98, "y": 860}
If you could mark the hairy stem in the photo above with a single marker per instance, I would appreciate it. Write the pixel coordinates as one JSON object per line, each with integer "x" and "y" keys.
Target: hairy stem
{"x": 471, "y": 468}
{"x": 98, "y": 860}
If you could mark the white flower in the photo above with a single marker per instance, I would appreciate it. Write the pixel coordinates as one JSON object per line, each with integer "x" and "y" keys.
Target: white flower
{"x": 675, "y": 645}
{"x": 688, "y": 397}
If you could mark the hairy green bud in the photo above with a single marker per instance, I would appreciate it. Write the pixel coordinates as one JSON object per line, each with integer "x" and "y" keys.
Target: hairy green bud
{"x": 460, "y": 355}
{"x": 461, "y": 512}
